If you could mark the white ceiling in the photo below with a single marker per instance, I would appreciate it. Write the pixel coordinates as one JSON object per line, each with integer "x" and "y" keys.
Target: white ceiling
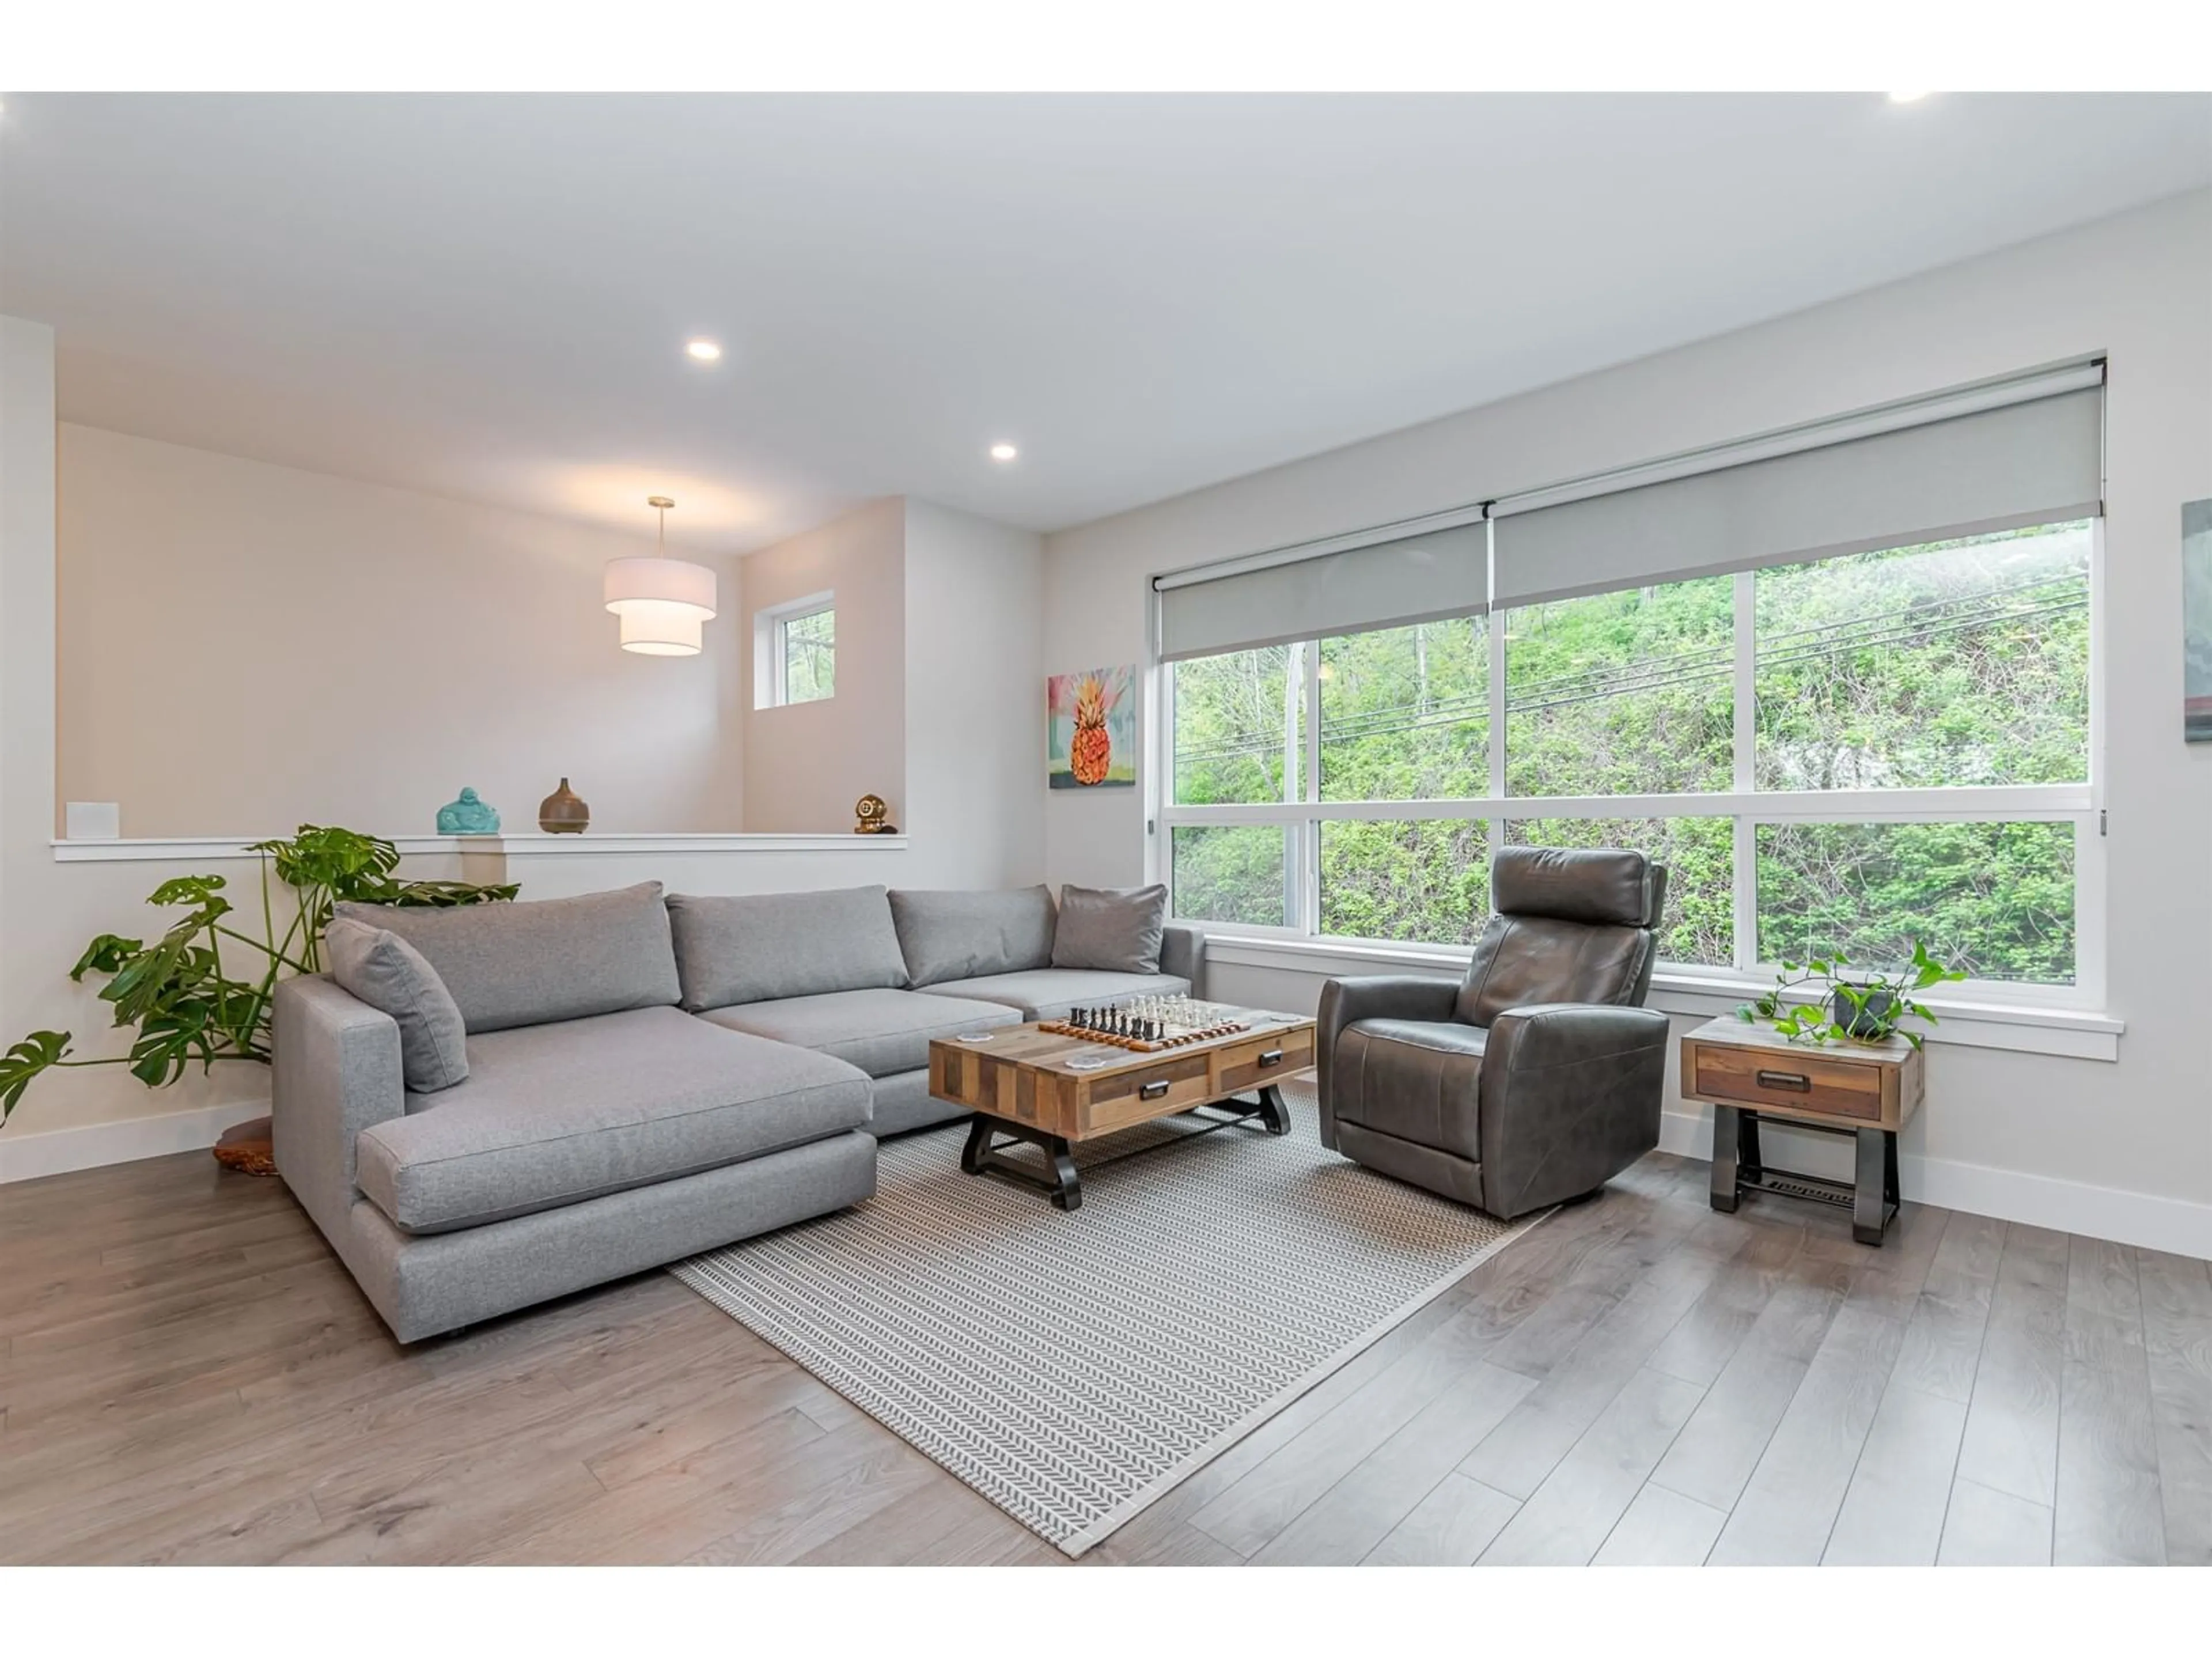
{"x": 486, "y": 296}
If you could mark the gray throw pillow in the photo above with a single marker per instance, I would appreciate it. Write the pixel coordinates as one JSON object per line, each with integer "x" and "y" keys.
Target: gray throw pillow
{"x": 1116, "y": 929}
{"x": 384, "y": 970}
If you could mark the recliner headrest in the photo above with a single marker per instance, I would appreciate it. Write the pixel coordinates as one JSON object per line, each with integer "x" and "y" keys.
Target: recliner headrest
{"x": 1603, "y": 888}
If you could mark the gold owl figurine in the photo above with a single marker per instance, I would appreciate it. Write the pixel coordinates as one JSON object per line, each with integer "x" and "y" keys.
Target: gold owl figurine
{"x": 874, "y": 818}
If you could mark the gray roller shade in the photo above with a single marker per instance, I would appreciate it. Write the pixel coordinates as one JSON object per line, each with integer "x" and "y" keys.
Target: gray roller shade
{"x": 2026, "y": 463}
{"x": 1443, "y": 573}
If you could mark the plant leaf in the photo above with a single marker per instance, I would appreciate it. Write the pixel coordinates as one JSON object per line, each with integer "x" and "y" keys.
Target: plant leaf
{"x": 188, "y": 890}
{"x": 105, "y": 955}
{"x": 24, "y": 1062}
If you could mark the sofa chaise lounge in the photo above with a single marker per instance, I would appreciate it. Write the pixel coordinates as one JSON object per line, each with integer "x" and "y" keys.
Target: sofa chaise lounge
{"x": 628, "y": 1079}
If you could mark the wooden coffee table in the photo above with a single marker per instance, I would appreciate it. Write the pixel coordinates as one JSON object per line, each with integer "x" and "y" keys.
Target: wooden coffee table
{"x": 1023, "y": 1084}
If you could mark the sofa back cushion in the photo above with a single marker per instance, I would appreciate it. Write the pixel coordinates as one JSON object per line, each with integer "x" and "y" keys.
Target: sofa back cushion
{"x": 957, "y": 935}
{"x": 1571, "y": 925}
{"x": 767, "y": 945}
{"x": 532, "y": 962}
{"x": 1116, "y": 929}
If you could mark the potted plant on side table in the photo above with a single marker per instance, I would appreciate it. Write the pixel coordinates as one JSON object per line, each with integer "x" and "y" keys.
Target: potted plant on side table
{"x": 1869, "y": 1007}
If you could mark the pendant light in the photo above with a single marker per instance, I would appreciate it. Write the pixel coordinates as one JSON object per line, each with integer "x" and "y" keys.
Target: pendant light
{"x": 664, "y": 602}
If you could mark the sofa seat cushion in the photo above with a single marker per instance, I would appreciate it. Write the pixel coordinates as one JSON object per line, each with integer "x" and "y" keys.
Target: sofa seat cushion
{"x": 882, "y": 1032}
{"x": 1412, "y": 1079}
{"x": 553, "y": 1115}
{"x": 1049, "y": 992}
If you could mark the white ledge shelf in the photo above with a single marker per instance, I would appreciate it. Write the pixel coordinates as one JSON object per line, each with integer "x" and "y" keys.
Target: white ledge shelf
{"x": 203, "y": 848}
{"x": 2020, "y": 1027}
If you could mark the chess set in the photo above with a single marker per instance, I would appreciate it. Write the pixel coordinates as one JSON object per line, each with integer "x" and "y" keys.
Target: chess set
{"x": 1148, "y": 1025}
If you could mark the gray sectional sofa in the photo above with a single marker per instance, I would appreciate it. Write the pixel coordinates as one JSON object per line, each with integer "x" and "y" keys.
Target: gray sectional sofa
{"x": 640, "y": 1078}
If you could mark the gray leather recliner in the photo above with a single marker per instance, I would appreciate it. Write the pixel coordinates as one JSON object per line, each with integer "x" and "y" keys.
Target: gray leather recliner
{"x": 1537, "y": 1077}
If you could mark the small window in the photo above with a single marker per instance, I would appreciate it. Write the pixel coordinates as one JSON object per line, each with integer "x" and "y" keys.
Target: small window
{"x": 795, "y": 653}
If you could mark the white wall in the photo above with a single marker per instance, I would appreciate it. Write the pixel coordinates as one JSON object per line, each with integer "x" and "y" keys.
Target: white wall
{"x": 807, "y": 762}
{"x": 2016, "y": 1134}
{"x": 245, "y": 648}
{"x": 975, "y": 717}
{"x": 970, "y": 677}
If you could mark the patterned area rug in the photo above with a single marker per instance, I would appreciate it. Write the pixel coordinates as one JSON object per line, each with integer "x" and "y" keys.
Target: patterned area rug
{"x": 1074, "y": 1367}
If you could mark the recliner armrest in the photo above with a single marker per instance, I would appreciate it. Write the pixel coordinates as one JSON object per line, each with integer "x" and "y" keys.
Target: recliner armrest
{"x": 1381, "y": 996}
{"x": 1183, "y": 953}
{"x": 1542, "y": 1034}
{"x": 1570, "y": 1096}
{"x": 1374, "y": 996}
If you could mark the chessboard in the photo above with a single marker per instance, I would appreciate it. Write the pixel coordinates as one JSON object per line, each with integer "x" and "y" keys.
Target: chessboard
{"x": 1149, "y": 1025}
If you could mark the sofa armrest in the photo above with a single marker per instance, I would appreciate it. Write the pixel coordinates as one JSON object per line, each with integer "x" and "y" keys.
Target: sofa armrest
{"x": 1570, "y": 1096}
{"x": 1375, "y": 996}
{"x": 1183, "y": 953}
{"x": 336, "y": 1073}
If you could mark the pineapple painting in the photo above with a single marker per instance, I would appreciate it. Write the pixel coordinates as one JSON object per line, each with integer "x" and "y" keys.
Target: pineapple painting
{"x": 1091, "y": 729}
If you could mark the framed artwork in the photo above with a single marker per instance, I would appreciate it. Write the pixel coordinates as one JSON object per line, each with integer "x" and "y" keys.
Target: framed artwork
{"x": 2197, "y": 621}
{"x": 1091, "y": 729}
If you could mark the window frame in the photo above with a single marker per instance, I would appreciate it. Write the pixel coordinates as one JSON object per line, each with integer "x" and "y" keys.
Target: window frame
{"x": 2081, "y": 804}
{"x": 771, "y": 649}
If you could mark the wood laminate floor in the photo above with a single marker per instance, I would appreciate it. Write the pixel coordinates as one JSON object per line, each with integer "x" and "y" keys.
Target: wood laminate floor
{"x": 187, "y": 1375}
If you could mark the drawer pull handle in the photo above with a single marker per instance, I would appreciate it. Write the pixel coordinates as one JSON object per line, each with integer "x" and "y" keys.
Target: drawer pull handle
{"x": 1273, "y": 1057}
{"x": 1789, "y": 1080}
{"x": 1153, "y": 1090}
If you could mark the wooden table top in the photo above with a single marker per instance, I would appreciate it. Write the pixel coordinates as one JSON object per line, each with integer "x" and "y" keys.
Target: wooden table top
{"x": 1730, "y": 1031}
{"x": 1050, "y": 1051}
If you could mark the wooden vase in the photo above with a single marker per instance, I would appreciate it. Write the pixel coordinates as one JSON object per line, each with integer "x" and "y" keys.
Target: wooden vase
{"x": 563, "y": 812}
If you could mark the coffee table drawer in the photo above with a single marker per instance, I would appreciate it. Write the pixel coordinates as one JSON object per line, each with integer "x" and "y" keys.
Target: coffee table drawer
{"x": 1266, "y": 1059}
{"x": 1127, "y": 1097}
{"x": 1810, "y": 1083}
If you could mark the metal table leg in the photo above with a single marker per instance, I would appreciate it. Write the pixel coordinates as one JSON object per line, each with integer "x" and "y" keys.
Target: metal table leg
{"x": 981, "y": 1156}
{"x": 1727, "y": 1145}
{"x": 1874, "y": 1188}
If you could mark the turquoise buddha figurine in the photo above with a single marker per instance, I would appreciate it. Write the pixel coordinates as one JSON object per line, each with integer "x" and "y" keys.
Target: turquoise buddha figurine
{"x": 468, "y": 817}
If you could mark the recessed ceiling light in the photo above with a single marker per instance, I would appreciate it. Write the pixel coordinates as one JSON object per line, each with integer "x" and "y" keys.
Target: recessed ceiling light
{"x": 705, "y": 351}
{"x": 1906, "y": 97}
{"x": 1003, "y": 451}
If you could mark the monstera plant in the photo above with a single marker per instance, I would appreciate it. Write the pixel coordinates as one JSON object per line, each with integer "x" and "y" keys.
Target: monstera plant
{"x": 176, "y": 994}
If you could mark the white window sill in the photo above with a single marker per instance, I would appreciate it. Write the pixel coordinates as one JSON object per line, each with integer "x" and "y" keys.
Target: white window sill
{"x": 2020, "y": 1027}
{"x": 196, "y": 849}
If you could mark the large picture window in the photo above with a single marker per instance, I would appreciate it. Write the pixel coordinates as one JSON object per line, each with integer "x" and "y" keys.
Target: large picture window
{"x": 1834, "y": 755}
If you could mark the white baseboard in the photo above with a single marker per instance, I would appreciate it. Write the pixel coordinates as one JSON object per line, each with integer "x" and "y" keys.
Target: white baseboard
{"x": 2172, "y": 1224}
{"x": 57, "y": 1151}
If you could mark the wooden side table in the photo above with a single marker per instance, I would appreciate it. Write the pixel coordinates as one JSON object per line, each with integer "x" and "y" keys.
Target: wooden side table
{"x": 1865, "y": 1090}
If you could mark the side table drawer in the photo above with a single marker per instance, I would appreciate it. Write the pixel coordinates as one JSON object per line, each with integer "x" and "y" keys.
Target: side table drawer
{"x": 1807, "y": 1083}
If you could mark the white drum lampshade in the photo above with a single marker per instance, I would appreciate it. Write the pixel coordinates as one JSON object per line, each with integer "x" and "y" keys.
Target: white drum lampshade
{"x": 664, "y": 602}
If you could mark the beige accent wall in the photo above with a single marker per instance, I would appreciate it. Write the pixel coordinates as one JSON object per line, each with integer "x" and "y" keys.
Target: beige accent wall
{"x": 806, "y": 763}
{"x": 245, "y": 648}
